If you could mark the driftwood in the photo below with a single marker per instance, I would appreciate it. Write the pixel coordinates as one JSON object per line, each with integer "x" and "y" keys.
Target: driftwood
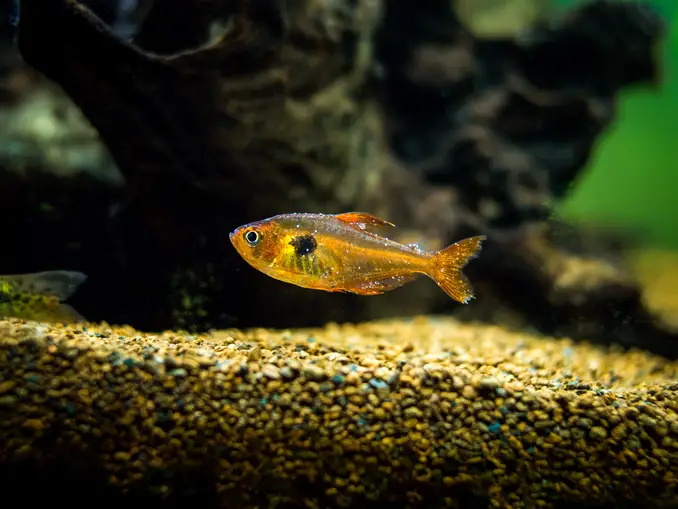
{"x": 222, "y": 112}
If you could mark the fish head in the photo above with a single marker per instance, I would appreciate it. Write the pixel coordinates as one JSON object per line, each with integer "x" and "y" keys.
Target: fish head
{"x": 258, "y": 243}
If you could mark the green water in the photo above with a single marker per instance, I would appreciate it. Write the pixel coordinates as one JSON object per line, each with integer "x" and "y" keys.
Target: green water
{"x": 632, "y": 178}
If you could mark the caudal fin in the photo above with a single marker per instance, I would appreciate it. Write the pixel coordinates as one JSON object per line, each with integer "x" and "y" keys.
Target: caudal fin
{"x": 447, "y": 264}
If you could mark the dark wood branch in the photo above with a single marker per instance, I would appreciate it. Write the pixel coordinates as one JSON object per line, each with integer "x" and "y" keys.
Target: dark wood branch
{"x": 312, "y": 106}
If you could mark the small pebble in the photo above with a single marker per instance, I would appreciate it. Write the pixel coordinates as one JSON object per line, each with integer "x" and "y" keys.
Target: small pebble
{"x": 314, "y": 372}
{"x": 468, "y": 392}
{"x": 271, "y": 371}
{"x": 598, "y": 432}
{"x": 6, "y": 386}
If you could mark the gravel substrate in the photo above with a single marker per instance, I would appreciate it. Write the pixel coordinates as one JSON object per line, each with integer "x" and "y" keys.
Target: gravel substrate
{"x": 420, "y": 413}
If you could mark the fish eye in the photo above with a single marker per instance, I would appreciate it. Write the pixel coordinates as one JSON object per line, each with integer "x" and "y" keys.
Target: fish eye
{"x": 253, "y": 238}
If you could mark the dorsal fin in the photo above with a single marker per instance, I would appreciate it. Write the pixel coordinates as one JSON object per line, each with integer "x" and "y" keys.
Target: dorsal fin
{"x": 362, "y": 220}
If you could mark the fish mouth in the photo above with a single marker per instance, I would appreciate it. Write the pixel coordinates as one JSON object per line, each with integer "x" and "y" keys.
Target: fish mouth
{"x": 231, "y": 237}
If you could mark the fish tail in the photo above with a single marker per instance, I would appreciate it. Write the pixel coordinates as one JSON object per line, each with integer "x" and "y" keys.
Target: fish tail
{"x": 447, "y": 264}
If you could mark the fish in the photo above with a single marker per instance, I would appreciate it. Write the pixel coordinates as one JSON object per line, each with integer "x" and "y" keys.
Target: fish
{"x": 348, "y": 253}
{"x": 39, "y": 296}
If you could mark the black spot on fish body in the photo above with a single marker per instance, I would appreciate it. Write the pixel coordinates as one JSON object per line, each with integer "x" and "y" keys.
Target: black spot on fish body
{"x": 304, "y": 244}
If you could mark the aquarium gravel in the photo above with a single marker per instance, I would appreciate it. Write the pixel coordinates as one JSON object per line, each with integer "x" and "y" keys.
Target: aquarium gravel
{"x": 420, "y": 413}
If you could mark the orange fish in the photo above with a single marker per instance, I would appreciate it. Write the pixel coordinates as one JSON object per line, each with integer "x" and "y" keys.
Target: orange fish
{"x": 346, "y": 253}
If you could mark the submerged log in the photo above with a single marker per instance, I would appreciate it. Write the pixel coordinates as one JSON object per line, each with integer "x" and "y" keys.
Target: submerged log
{"x": 223, "y": 112}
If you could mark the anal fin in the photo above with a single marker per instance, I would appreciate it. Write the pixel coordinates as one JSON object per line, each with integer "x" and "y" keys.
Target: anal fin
{"x": 61, "y": 313}
{"x": 382, "y": 285}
